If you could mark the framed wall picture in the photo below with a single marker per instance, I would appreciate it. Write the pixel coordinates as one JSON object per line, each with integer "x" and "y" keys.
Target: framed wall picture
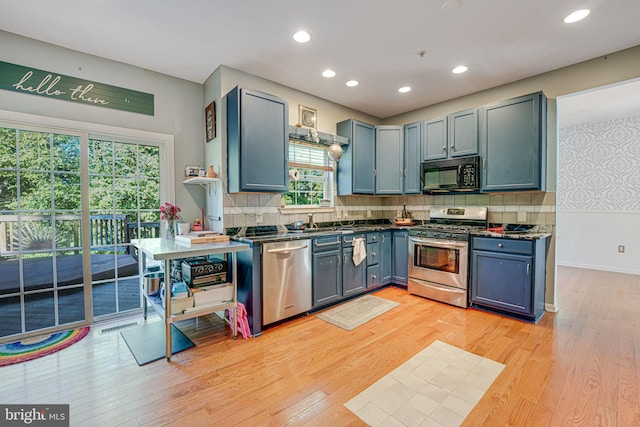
{"x": 210, "y": 121}
{"x": 307, "y": 116}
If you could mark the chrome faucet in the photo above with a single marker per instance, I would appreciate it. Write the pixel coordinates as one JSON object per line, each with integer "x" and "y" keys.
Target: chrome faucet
{"x": 311, "y": 224}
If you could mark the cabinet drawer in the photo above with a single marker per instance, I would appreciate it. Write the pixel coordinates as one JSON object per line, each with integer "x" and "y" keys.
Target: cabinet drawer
{"x": 373, "y": 276}
{"x": 373, "y": 237}
{"x": 503, "y": 245}
{"x": 373, "y": 253}
{"x": 326, "y": 243}
{"x": 347, "y": 239}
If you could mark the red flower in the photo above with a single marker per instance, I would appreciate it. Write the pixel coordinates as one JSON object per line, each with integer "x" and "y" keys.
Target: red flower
{"x": 169, "y": 212}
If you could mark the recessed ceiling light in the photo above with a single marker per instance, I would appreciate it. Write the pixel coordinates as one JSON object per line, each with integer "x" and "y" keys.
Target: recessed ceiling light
{"x": 459, "y": 69}
{"x": 352, "y": 83}
{"x": 576, "y": 16}
{"x": 404, "y": 89}
{"x": 302, "y": 37}
{"x": 328, "y": 73}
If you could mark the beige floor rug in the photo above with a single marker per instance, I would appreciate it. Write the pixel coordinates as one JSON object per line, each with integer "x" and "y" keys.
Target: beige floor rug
{"x": 437, "y": 387}
{"x": 356, "y": 312}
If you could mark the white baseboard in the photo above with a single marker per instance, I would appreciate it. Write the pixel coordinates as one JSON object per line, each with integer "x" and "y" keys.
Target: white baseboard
{"x": 551, "y": 308}
{"x": 599, "y": 267}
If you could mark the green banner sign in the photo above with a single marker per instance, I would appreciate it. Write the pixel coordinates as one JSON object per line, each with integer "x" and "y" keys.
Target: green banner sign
{"x": 52, "y": 85}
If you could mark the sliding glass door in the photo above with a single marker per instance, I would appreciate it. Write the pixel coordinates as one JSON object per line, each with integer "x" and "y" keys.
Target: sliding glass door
{"x": 124, "y": 186}
{"x": 69, "y": 207}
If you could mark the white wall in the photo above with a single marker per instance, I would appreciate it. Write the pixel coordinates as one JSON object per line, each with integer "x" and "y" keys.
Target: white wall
{"x": 599, "y": 195}
{"x": 178, "y": 103}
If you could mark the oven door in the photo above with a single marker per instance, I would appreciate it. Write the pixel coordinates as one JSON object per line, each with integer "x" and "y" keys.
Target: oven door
{"x": 439, "y": 261}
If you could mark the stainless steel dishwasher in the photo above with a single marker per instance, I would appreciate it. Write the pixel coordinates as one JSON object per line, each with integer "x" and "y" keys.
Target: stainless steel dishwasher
{"x": 286, "y": 279}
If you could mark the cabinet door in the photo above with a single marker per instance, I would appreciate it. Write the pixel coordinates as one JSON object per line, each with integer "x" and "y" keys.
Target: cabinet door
{"x": 357, "y": 164}
{"x": 412, "y": 135}
{"x": 327, "y": 277}
{"x": 386, "y": 257}
{"x": 389, "y": 160}
{"x": 257, "y": 142}
{"x": 513, "y": 144}
{"x": 463, "y": 133}
{"x": 502, "y": 281}
{"x": 353, "y": 276}
{"x": 400, "y": 273}
{"x": 434, "y": 139}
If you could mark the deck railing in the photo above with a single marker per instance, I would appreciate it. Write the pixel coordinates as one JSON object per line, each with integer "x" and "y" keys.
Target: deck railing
{"x": 38, "y": 231}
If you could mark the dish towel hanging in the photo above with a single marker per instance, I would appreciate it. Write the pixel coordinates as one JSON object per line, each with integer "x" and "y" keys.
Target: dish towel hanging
{"x": 359, "y": 250}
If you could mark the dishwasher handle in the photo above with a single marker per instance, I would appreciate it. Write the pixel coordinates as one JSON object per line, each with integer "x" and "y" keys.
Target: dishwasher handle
{"x": 286, "y": 250}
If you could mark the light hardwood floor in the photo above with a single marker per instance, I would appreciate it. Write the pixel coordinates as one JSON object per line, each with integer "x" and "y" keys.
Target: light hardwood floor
{"x": 580, "y": 366}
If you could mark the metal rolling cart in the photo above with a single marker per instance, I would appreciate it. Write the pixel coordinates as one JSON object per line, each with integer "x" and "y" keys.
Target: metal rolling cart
{"x": 166, "y": 250}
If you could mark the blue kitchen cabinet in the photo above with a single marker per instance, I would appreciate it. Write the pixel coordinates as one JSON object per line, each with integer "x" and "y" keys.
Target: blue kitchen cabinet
{"x": 412, "y": 149}
{"x": 513, "y": 144}
{"x": 434, "y": 139}
{"x": 400, "y": 267}
{"x": 389, "y": 160}
{"x": 356, "y": 168}
{"x": 386, "y": 257}
{"x": 374, "y": 277}
{"x": 257, "y": 142}
{"x": 508, "y": 276}
{"x": 353, "y": 276}
{"x": 462, "y": 133}
{"x": 326, "y": 270}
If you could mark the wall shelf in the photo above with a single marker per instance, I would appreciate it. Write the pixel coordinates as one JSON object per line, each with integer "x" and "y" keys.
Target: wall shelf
{"x": 201, "y": 180}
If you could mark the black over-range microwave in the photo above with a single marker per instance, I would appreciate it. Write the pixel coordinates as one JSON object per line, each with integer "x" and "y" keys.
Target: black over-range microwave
{"x": 460, "y": 174}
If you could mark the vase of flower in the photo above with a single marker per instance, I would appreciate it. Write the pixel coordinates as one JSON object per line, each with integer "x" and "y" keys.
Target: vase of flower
{"x": 169, "y": 213}
{"x": 170, "y": 229}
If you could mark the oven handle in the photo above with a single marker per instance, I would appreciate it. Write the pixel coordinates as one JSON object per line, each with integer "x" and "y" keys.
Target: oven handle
{"x": 439, "y": 243}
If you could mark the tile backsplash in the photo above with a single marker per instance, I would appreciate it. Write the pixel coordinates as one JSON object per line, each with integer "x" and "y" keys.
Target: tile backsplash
{"x": 246, "y": 209}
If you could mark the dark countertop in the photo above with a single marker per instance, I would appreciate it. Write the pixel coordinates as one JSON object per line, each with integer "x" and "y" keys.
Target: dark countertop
{"x": 531, "y": 233}
{"x": 515, "y": 232}
{"x": 287, "y": 235}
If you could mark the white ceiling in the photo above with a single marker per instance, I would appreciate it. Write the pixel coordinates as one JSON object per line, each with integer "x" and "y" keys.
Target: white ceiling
{"x": 373, "y": 41}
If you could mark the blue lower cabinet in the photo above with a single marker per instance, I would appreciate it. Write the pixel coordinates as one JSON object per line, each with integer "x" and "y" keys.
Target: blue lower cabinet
{"x": 400, "y": 267}
{"x": 386, "y": 257}
{"x": 353, "y": 276}
{"x": 327, "y": 277}
{"x": 509, "y": 276}
{"x": 326, "y": 268}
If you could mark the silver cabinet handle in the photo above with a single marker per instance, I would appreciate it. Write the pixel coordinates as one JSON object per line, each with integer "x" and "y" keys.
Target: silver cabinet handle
{"x": 339, "y": 260}
{"x": 406, "y": 172}
{"x": 373, "y": 254}
{"x": 383, "y": 238}
{"x": 499, "y": 245}
{"x": 375, "y": 173}
{"x": 345, "y": 258}
{"x": 315, "y": 243}
{"x": 528, "y": 269}
{"x": 444, "y": 148}
{"x": 453, "y": 146}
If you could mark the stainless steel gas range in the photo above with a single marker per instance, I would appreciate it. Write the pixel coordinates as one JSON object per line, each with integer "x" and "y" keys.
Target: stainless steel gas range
{"x": 439, "y": 254}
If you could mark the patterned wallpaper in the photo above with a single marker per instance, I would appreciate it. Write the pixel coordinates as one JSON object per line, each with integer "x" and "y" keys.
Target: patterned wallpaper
{"x": 599, "y": 166}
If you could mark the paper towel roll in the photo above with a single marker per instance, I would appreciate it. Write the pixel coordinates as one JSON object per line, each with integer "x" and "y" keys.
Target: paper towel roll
{"x": 294, "y": 174}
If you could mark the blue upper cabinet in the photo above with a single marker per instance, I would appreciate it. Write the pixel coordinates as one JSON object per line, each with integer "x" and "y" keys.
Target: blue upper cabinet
{"x": 463, "y": 133}
{"x": 356, "y": 167}
{"x": 257, "y": 142}
{"x": 389, "y": 160}
{"x": 412, "y": 136}
{"x": 513, "y": 144}
{"x": 434, "y": 139}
